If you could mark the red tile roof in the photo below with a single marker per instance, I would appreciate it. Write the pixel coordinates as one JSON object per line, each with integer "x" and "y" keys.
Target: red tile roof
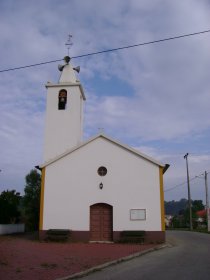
{"x": 201, "y": 213}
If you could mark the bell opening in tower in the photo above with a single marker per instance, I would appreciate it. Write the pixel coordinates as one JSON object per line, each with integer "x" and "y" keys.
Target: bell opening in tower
{"x": 62, "y": 99}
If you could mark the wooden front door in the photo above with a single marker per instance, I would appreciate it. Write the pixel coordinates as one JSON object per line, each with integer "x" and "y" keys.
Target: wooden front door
{"x": 101, "y": 222}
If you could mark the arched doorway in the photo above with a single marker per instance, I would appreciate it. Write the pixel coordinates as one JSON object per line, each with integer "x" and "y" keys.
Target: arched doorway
{"x": 101, "y": 222}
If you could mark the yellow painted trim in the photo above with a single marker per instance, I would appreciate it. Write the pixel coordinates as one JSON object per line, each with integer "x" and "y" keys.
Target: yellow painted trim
{"x": 162, "y": 210}
{"x": 41, "y": 213}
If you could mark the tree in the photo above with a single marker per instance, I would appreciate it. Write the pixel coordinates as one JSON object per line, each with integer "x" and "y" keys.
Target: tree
{"x": 31, "y": 200}
{"x": 181, "y": 213}
{"x": 9, "y": 207}
{"x": 197, "y": 205}
{"x": 175, "y": 207}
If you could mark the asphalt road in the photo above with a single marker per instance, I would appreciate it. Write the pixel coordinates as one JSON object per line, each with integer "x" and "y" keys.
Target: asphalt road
{"x": 186, "y": 258}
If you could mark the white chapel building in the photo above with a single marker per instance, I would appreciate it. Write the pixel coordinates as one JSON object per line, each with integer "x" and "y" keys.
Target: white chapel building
{"x": 97, "y": 188}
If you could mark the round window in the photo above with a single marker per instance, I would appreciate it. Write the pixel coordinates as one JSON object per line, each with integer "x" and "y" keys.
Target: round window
{"x": 102, "y": 171}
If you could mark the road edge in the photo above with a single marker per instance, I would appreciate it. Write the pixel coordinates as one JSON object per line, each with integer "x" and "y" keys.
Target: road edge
{"x": 107, "y": 264}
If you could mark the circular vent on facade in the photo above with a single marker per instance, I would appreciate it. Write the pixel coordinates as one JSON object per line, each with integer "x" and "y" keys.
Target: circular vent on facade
{"x": 102, "y": 171}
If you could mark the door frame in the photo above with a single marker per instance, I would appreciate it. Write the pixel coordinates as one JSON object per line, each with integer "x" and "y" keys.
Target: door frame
{"x": 106, "y": 206}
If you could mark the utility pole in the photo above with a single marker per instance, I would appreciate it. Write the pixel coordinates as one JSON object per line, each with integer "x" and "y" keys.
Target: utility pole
{"x": 207, "y": 202}
{"x": 188, "y": 187}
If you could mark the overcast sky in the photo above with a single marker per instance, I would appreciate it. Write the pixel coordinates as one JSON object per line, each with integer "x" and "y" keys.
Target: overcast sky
{"x": 154, "y": 98}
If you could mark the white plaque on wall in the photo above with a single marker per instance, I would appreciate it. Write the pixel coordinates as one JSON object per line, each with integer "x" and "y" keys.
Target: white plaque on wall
{"x": 137, "y": 214}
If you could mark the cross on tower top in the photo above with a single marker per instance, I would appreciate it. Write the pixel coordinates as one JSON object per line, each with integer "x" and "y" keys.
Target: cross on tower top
{"x": 101, "y": 130}
{"x": 69, "y": 42}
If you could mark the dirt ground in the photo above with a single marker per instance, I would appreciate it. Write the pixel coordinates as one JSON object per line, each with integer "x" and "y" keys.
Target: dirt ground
{"x": 27, "y": 258}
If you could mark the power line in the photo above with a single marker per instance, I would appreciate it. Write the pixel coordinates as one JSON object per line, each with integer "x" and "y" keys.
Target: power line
{"x": 184, "y": 183}
{"x": 31, "y": 65}
{"x": 179, "y": 185}
{"x": 145, "y": 43}
{"x": 111, "y": 50}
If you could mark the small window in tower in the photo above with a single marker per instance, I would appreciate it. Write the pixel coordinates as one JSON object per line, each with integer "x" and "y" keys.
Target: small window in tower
{"x": 102, "y": 171}
{"x": 62, "y": 99}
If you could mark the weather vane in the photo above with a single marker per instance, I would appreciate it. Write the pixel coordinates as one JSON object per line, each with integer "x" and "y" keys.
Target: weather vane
{"x": 69, "y": 43}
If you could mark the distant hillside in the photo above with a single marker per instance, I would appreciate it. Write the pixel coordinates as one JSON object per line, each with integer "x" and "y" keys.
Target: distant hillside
{"x": 174, "y": 207}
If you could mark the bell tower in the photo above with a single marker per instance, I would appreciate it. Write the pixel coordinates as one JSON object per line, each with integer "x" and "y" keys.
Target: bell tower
{"x": 64, "y": 113}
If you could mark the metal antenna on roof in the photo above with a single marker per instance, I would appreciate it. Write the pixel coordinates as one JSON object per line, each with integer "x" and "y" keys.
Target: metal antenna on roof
{"x": 69, "y": 42}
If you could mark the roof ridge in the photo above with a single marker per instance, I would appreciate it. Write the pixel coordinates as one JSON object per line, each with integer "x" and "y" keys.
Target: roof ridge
{"x": 102, "y": 134}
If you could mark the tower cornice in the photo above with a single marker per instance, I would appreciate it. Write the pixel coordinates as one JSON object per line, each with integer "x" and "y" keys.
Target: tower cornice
{"x": 67, "y": 84}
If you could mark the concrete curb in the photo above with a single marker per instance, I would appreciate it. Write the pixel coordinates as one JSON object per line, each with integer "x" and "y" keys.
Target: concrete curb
{"x": 102, "y": 266}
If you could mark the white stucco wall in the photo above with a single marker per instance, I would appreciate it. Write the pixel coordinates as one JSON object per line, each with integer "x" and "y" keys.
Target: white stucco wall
{"x": 63, "y": 128}
{"x": 72, "y": 185}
